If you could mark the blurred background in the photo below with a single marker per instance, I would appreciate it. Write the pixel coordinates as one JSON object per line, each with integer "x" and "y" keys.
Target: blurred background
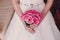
{"x": 7, "y": 11}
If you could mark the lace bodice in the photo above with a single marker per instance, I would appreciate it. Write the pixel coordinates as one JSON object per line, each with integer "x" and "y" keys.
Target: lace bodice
{"x": 31, "y": 1}
{"x": 32, "y": 4}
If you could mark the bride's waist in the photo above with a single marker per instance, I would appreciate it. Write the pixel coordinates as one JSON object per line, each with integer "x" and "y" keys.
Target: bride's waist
{"x": 37, "y": 6}
{"x": 32, "y": 4}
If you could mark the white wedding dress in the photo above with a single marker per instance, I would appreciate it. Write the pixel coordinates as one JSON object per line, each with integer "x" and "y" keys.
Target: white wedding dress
{"x": 47, "y": 30}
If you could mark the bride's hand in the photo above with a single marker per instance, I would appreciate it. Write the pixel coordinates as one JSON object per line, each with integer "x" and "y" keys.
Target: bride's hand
{"x": 29, "y": 29}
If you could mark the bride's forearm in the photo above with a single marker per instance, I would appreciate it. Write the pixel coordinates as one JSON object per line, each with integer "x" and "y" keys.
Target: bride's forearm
{"x": 17, "y": 7}
{"x": 47, "y": 7}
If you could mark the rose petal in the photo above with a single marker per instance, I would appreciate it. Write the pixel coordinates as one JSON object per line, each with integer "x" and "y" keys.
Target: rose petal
{"x": 32, "y": 16}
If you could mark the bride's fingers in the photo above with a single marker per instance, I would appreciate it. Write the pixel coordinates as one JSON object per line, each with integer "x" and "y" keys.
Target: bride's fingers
{"x": 32, "y": 26}
{"x": 30, "y": 30}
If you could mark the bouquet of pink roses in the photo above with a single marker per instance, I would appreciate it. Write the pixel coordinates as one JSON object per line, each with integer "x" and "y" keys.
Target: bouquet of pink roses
{"x": 32, "y": 17}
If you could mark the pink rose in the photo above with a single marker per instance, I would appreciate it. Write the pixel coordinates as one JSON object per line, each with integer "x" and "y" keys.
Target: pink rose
{"x": 32, "y": 17}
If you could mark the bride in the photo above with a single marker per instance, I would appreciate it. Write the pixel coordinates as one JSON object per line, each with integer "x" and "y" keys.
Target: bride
{"x": 46, "y": 30}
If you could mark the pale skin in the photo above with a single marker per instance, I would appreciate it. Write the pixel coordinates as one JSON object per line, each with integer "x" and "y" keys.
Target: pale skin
{"x": 19, "y": 11}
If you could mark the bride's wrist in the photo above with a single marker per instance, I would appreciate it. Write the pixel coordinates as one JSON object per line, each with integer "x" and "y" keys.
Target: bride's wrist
{"x": 43, "y": 14}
